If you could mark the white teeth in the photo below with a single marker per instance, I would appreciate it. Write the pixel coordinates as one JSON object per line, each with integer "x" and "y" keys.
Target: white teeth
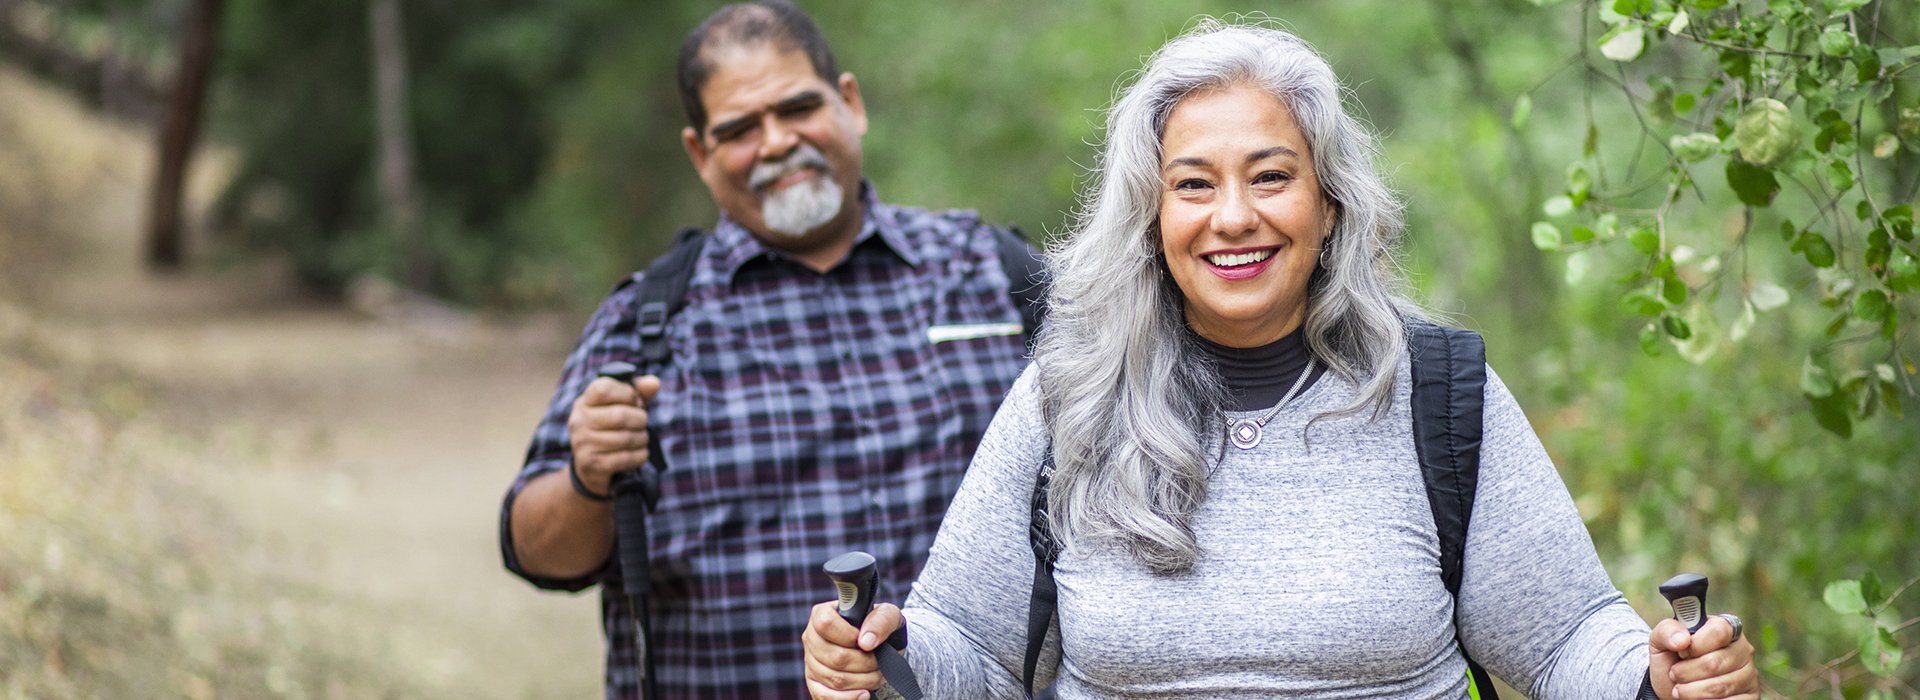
{"x": 1238, "y": 259}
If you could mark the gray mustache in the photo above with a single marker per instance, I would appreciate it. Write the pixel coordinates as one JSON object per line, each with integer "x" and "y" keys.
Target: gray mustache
{"x": 805, "y": 156}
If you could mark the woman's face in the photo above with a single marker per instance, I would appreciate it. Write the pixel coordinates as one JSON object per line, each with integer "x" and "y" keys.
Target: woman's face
{"x": 1241, "y": 214}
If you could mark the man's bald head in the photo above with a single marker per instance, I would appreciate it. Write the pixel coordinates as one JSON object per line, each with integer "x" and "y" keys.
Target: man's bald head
{"x": 775, "y": 23}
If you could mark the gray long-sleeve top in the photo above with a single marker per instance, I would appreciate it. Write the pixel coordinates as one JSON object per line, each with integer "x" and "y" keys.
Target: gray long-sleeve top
{"x": 1319, "y": 575}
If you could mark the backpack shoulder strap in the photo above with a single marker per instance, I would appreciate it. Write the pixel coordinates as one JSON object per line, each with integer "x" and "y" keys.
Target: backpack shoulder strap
{"x": 663, "y": 293}
{"x": 1026, "y": 277}
{"x": 1449, "y": 383}
{"x": 1046, "y": 550}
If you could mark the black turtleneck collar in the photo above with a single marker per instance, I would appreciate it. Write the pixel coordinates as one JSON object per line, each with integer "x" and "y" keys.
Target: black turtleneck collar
{"x": 1256, "y": 378}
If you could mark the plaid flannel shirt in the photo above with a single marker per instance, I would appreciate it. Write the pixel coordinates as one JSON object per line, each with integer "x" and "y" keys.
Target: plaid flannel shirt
{"x": 802, "y": 415}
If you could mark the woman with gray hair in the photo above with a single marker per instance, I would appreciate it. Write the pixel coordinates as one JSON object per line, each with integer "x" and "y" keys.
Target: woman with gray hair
{"x": 1223, "y": 393}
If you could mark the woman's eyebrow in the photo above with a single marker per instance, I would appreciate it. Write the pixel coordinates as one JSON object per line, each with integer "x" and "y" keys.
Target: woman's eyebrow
{"x": 1266, "y": 153}
{"x": 1194, "y": 161}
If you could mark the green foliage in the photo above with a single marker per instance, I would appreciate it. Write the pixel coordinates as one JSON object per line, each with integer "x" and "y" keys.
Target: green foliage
{"x": 1804, "y": 94}
{"x": 1787, "y": 119}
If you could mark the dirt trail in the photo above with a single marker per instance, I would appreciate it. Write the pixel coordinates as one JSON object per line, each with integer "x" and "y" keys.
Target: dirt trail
{"x": 358, "y": 461}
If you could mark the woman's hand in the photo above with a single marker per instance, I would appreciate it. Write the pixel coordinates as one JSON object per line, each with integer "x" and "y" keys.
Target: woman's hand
{"x": 840, "y": 663}
{"x": 1706, "y": 664}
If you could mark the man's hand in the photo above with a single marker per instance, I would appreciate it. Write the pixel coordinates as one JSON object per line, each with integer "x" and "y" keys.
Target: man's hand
{"x": 840, "y": 662}
{"x": 608, "y": 427}
{"x": 1707, "y": 664}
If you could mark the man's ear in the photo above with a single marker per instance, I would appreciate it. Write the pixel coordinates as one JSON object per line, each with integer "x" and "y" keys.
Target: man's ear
{"x": 850, "y": 93}
{"x": 696, "y": 149}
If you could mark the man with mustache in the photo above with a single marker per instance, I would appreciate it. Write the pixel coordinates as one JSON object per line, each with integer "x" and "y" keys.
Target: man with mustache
{"x": 835, "y": 364}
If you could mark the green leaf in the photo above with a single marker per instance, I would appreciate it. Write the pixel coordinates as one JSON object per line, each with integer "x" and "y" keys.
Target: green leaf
{"x": 1768, "y": 296}
{"x": 1839, "y": 175}
{"x": 1624, "y": 43}
{"x": 1845, "y": 6}
{"x": 1737, "y": 64}
{"x": 1558, "y": 205}
{"x": 1872, "y": 305}
{"x": 1879, "y": 651}
{"x": 1754, "y": 185}
{"x": 1833, "y": 413}
{"x": 1870, "y": 586}
{"x": 1642, "y": 302}
{"x": 1522, "y": 108}
{"x": 1817, "y": 383}
{"x": 1742, "y": 324}
{"x": 1683, "y": 102}
{"x": 1673, "y": 290}
{"x": 1679, "y": 23}
{"x": 1836, "y": 41}
{"x": 1885, "y": 145}
{"x": 1703, "y": 335}
{"x": 1577, "y": 265}
{"x": 1676, "y": 327}
{"x": 1903, "y": 273}
{"x": 1693, "y": 147}
{"x": 1579, "y": 180}
{"x": 1645, "y": 240}
{"x": 1816, "y": 249}
{"x": 1866, "y": 63}
{"x": 1650, "y": 340}
{"x": 1901, "y": 215}
{"x": 1766, "y": 132}
{"x": 1546, "y": 236}
{"x": 1707, "y": 4}
{"x": 1831, "y": 134}
{"x": 1845, "y": 597}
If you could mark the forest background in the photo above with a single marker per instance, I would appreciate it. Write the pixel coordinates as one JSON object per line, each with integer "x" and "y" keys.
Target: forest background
{"x": 261, "y": 457}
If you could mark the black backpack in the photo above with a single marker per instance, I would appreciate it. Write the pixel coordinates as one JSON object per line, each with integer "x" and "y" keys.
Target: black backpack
{"x": 662, "y": 294}
{"x": 1449, "y": 379}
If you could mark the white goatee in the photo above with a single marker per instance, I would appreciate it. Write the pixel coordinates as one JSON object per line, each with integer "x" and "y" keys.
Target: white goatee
{"x": 801, "y": 207}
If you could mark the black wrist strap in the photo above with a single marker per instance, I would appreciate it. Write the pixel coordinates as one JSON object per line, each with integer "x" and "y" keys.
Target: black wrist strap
{"x": 580, "y": 487}
{"x": 1646, "y": 688}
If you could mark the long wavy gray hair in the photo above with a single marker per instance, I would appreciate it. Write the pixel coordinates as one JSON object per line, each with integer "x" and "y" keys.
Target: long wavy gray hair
{"x": 1129, "y": 400}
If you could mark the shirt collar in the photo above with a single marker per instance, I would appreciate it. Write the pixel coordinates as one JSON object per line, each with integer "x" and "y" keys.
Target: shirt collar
{"x": 877, "y": 221}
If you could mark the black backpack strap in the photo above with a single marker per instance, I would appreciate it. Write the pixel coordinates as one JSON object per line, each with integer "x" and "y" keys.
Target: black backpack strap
{"x": 1449, "y": 384}
{"x": 1046, "y": 550}
{"x": 1026, "y": 277}
{"x": 661, "y": 294}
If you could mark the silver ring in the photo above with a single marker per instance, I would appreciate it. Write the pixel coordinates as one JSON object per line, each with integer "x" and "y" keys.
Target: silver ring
{"x": 1734, "y": 620}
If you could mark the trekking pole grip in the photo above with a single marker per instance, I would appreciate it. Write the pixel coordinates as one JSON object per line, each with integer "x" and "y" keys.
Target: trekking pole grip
{"x": 1687, "y": 593}
{"x": 855, "y": 577}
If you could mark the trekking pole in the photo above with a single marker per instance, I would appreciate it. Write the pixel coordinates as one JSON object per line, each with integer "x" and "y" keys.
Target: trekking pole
{"x": 855, "y": 576}
{"x": 634, "y": 493}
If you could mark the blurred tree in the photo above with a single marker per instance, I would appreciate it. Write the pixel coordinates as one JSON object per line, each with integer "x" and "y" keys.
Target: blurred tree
{"x": 399, "y": 201}
{"x": 180, "y": 131}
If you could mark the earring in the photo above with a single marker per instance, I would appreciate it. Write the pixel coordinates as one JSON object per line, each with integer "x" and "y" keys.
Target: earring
{"x": 1326, "y": 244}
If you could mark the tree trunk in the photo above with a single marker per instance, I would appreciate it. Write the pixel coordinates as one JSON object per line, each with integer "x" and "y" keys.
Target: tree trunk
{"x": 179, "y": 131}
{"x": 399, "y": 196}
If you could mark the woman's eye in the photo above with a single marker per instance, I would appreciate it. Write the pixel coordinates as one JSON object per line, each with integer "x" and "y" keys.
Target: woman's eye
{"x": 1271, "y": 177}
{"x": 1190, "y": 184}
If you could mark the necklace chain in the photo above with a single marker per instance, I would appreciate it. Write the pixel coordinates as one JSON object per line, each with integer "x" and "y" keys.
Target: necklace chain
{"x": 1245, "y": 433}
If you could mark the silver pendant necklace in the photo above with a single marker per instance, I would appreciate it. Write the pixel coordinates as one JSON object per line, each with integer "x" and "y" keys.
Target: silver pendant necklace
{"x": 1245, "y": 433}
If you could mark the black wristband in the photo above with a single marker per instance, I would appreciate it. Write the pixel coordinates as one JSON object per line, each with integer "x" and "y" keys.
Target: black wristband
{"x": 580, "y": 487}
{"x": 1646, "y": 688}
